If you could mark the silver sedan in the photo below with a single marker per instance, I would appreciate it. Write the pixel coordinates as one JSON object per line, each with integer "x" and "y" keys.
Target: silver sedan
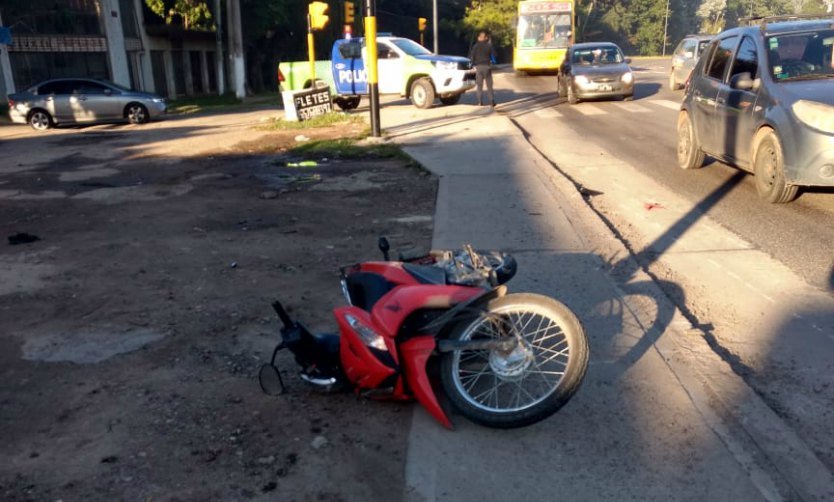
{"x": 82, "y": 101}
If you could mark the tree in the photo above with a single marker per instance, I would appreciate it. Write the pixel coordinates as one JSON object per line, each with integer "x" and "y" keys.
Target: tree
{"x": 711, "y": 13}
{"x": 195, "y": 14}
{"x": 495, "y": 16}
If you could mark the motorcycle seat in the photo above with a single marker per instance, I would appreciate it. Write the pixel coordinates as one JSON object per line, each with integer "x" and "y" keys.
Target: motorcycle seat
{"x": 426, "y": 274}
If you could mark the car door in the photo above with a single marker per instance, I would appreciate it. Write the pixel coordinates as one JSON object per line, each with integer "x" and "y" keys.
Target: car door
{"x": 705, "y": 93}
{"x": 735, "y": 107}
{"x": 92, "y": 101}
{"x": 55, "y": 97}
{"x": 391, "y": 69}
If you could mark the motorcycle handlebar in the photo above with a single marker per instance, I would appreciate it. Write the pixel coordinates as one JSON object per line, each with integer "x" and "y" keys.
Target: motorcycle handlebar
{"x": 282, "y": 314}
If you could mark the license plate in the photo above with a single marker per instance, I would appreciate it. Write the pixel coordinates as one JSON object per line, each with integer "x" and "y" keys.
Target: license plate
{"x": 605, "y": 87}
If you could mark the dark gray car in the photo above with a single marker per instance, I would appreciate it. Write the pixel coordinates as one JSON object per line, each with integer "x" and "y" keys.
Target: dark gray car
{"x": 762, "y": 98}
{"x": 595, "y": 70}
{"x": 685, "y": 57}
{"x": 82, "y": 101}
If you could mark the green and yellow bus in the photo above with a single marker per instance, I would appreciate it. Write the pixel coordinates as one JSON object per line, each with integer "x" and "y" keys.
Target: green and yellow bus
{"x": 543, "y": 33}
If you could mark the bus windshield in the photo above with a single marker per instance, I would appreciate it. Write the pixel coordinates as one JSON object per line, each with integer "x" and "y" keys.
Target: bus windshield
{"x": 544, "y": 30}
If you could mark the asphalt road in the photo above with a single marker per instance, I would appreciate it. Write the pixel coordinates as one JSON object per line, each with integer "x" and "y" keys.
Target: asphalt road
{"x": 642, "y": 132}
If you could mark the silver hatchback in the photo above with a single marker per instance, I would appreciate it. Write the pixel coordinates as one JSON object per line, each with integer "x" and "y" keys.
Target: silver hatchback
{"x": 762, "y": 98}
{"x": 82, "y": 101}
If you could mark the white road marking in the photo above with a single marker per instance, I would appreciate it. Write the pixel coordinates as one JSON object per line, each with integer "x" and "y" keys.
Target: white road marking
{"x": 672, "y": 105}
{"x": 547, "y": 113}
{"x": 734, "y": 276}
{"x": 714, "y": 262}
{"x": 632, "y": 107}
{"x": 588, "y": 109}
{"x": 771, "y": 300}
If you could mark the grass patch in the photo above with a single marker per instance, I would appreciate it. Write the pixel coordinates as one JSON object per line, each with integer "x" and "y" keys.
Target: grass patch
{"x": 196, "y": 104}
{"x": 330, "y": 119}
{"x": 349, "y": 149}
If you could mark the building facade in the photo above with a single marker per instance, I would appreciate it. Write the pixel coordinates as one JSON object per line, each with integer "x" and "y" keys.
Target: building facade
{"x": 117, "y": 40}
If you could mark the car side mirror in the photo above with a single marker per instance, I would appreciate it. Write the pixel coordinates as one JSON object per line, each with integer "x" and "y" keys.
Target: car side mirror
{"x": 744, "y": 81}
{"x": 627, "y": 60}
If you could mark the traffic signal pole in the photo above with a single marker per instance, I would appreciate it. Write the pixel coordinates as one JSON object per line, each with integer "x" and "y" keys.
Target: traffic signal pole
{"x": 311, "y": 50}
{"x": 373, "y": 75}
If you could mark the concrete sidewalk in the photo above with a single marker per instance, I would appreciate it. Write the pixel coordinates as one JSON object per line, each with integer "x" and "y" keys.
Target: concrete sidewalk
{"x": 659, "y": 417}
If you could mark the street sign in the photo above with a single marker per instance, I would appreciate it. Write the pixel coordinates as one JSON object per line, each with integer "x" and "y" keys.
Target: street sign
{"x": 306, "y": 104}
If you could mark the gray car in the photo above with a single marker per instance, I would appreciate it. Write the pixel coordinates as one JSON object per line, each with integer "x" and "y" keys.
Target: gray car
{"x": 684, "y": 57}
{"x": 82, "y": 101}
{"x": 595, "y": 70}
{"x": 762, "y": 98}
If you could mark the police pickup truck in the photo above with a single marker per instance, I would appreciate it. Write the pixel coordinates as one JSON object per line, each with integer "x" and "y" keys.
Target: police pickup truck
{"x": 405, "y": 68}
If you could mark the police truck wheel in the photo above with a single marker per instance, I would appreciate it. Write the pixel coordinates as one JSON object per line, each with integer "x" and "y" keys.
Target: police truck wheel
{"x": 347, "y": 103}
{"x": 422, "y": 93}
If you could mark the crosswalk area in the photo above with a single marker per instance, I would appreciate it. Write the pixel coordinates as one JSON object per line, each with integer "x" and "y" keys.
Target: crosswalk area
{"x": 606, "y": 107}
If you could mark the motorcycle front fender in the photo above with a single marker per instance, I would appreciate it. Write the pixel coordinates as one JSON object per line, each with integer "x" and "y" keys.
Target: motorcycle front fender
{"x": 414, "y": 354}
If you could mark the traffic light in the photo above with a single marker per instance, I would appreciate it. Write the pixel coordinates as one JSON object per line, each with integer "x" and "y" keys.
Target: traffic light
{"x": 318, "y": 18}
{"x": 421, "y": 23}
{"x": 349, "y": 13}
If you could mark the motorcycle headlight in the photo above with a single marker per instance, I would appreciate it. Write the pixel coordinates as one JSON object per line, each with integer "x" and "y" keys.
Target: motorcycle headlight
{"x": 369, "y": 337}
{"x": 445, "y": 65}
{"x": 815, "y": 115}
{"x": 627, "y": 78}
{"x": 581, "y": 79}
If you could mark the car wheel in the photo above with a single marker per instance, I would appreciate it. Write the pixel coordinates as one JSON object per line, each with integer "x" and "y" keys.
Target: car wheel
{"x": 572, "y": 99}
{"x": 768, "y": 168}
{"x": 673, "y": 82}
{"x": 40, "y": 120}
{"x": 422, "y": 93}
{"x": 136, "y": 113}
{"x": 347, "y": 103}
{"x": 690, "y": 155}
{"x": 451, "y": 100}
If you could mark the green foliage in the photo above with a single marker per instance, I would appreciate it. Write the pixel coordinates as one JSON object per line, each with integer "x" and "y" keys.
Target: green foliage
{"x": 195, "y": 14}
{"x": 495, "y": 16}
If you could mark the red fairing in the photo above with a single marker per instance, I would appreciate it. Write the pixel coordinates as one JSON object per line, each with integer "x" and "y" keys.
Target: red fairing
{"x": 415, "y": 353}
{"x": 392, "y": 309}
{"x": 391, "y": 271}
{"x": 360, "y": 365}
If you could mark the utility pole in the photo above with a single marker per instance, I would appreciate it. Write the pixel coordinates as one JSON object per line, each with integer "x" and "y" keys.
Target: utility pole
{"x": 218, "y": 56}
{"x": 665, "y": 27}
{"x": 434, "y": 26}
{"x": 373, "y": 70}
{"x": 236, "y": 47}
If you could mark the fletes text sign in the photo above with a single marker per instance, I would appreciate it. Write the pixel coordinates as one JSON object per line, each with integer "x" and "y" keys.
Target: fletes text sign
{"x": 306, "y": 104}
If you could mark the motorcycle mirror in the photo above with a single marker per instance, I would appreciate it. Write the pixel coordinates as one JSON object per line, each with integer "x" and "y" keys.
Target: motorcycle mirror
{"x": 384, "y": 246}
{"x": 270, "y": 380}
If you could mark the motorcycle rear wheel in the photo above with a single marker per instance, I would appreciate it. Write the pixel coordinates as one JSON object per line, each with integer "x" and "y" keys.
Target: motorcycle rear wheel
{"x": 527, "y": 384}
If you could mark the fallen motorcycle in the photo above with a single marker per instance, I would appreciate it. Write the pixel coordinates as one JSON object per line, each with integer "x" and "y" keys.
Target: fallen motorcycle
{"x": 506, "y": 360}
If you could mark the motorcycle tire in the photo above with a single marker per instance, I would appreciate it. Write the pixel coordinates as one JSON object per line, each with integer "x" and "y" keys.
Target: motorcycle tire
{"x": 531, "y": 382}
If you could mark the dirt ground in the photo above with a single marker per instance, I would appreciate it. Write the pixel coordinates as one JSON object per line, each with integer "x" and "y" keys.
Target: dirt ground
{"x": 132, "y": 331}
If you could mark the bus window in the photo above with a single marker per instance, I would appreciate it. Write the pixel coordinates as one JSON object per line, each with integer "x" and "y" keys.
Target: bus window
{"x": 544, "y": 30}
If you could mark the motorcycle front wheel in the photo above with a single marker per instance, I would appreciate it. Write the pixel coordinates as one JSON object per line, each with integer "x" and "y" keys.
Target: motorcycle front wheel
{"x": 521, "y": 386}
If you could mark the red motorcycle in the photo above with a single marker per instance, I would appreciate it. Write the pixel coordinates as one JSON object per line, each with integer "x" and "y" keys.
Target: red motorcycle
{"x": 506, "y": 360}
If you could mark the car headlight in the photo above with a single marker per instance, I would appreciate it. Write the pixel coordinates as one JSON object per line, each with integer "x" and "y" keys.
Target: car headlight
{"x": 627, "y": 78}
{"x": 581, "y": 79}
{"x": 445, "y": 65}
{"x": 158, "y": 100}
{"x": 815, "y": 115}
{"x": 369, "y": 337}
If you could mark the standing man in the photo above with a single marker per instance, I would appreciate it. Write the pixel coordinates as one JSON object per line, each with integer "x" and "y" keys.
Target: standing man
{"x": 482, "y": 56}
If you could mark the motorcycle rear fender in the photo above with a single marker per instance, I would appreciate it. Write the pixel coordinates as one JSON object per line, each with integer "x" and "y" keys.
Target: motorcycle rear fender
{"x": 415, "y": 353}
{"x": 365, "y": 367}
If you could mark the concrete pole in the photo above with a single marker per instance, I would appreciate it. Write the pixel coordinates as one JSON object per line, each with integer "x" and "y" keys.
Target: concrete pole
{"x": 434, "y": 26}
{"x": 665, "y": 27}
{"x": 236, "y": 47}
{"x": 146, "y": 68}
{"x": 218, "y": 55}
{"x": 6, "y": 70}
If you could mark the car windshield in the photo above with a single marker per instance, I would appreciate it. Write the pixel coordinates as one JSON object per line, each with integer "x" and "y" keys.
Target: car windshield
{"x": 604, "y": 54}
{"x": 702, "y": 45}
{"x": 544, "y": 30}
{"x": 801, "y": 56}
{"x": 410, "y": 47}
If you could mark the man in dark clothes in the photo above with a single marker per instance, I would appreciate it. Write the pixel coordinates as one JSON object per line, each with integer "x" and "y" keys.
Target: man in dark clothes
{"x": 482, "y": 55}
